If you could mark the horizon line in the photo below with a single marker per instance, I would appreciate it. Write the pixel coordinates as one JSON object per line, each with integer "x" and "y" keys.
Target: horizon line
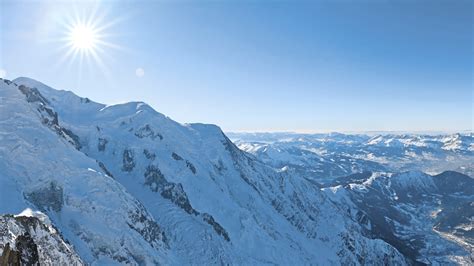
{"x": 349, "y": 132}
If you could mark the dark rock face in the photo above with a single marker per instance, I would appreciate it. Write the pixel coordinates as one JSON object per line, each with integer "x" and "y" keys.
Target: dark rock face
{"x": 27, "y": 249}
{"x": 128, "y": 162}
{"x": 188, "y": 163}
{"x": 147, "y": 132}
{"x": 48, "y": 116}
{"x": 149, "y": 155}
{"x": 154, "y": 178}
{"x": 147, "y": 227}
{"x": 7, "y": 81}
{"x": 22, "y": 238}
{"x": 101, "y": 145}
{"x": 168, "y": 190}
{"x": 73, "y": 138}
{"x": 191, "y": 166}
{"x": 10, "y": 257}
{"x": 33, "y": 95}
{"x": 50, "y": 197}
{"x": 176, "y": 194}
{"x": 176, "y": 157}
{"x": 217, "y": 227}
{"x": 106, "y": 171}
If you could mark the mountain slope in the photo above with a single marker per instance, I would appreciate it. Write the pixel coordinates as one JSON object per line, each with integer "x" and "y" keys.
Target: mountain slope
{"x": 196, "y": 197}
{"x": 39, "y": 162}
{"x": 428, "y": 218}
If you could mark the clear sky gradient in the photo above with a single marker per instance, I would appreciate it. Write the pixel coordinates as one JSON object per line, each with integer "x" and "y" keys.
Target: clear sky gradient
{"x": 308, "y": 66}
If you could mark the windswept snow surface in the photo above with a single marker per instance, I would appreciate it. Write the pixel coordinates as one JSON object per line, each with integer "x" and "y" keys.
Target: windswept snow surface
{"x": 126, "y": 184}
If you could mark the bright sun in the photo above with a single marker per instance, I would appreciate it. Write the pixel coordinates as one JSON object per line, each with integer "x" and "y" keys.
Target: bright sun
{"x": 86, "y": 39}
{"x": 83, "y": 37}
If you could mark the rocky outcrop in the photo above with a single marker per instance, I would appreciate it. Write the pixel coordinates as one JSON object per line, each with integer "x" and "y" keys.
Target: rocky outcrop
{"x": 128, "y": 162}
{"x": 48, "y": 116}
{"x": 149, "y": 155}
{"x": 102, "y": 142}
{"x": 189, "y": 165}
{"x": 26, "y": 240}
{"x": 176, "y": 194}
{"x": 147, "y": 132}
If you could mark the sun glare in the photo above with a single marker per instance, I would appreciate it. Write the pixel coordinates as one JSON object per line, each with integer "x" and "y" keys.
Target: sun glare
{"x": 83, "y": 37}
{"x": 86, "y": 39}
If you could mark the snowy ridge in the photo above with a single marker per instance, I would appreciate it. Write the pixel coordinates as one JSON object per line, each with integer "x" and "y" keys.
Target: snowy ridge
{"x": 49, "y": 174}
{"x": 167, "y": 192}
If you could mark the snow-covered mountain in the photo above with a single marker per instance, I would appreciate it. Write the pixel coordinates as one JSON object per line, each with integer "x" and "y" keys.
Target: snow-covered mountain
{"x": 323, "y": 157}
{"x": 428, "y": 218}
{"x": 124, "y": 184}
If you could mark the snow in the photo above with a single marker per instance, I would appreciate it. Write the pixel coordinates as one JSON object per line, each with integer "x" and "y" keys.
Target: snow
{"x": 270, "y": 216}
{"x": 336, "y": 155}
{"x": 28, "y": 212}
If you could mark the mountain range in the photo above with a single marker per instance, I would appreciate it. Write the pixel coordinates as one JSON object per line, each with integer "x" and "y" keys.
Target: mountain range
{"x": 86, "y": 183}
{"x": 324, "y": 157}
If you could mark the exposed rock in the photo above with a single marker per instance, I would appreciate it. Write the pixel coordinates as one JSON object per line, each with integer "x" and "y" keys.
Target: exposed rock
{"x": 147, "y": 131}
{"x": 149, "y": 155}
{"x": 191, "y": 166}
{"x": 154, "y": 178}
{"x": 72, "y": 138}
{"x": 188, "y": 163}
{"x": 217, "y": 227}
{"x": 175, "y": 193}
{"x": 33, "y": 95}
{"x": 10, "y": 257}
{"x": 85, "y": 100}
{"x": 128, "y": 162}
{"x": 28, "y": 250}
{"x": 176, "y": 156}
{"x": 106, "y": 171}
{"x": 26, "y": 240}
{"x": 8, "y": 82}
{"x": 101, "y": 145}
{"x": 50, "y": 197}
{"x": 48, "y": 116}
{"x": 147, "y": 227}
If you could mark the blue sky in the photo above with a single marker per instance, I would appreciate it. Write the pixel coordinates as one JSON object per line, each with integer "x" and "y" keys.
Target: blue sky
{"x": 307, "y": 66}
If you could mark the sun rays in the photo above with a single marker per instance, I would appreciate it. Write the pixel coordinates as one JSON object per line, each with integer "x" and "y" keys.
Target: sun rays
{"x": 83, "y": 37}
{"x": 86, "y": 39}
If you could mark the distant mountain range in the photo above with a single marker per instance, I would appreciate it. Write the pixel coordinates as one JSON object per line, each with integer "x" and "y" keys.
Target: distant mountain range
{"x": 86, "y": 183}
{"x": 323, "y": 157}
